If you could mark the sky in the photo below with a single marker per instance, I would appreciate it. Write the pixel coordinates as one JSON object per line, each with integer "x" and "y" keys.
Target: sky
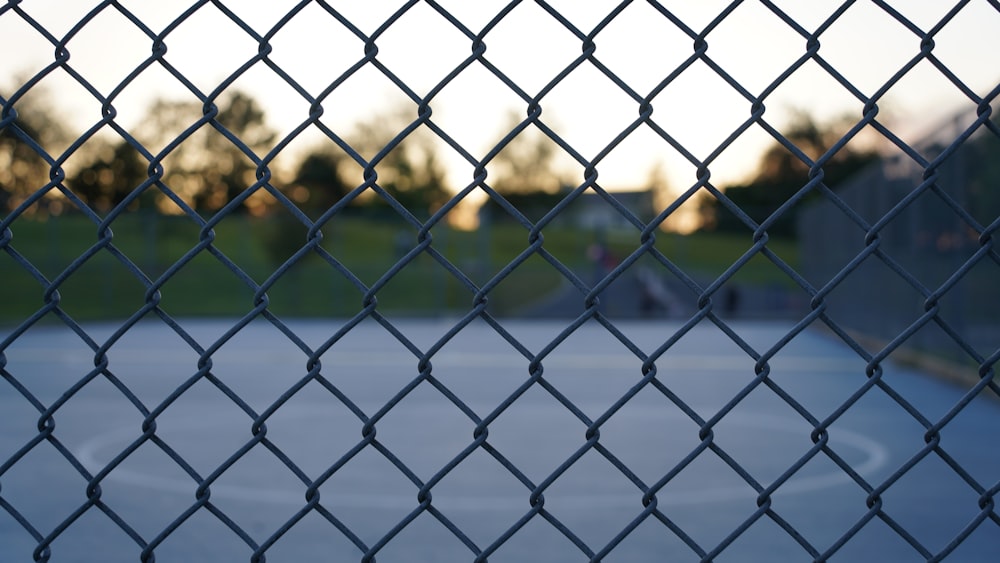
{"x": 641, "y": 46}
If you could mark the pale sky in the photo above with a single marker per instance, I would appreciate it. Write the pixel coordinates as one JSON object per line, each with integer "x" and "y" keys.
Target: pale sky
{"x": 641, "y": 46}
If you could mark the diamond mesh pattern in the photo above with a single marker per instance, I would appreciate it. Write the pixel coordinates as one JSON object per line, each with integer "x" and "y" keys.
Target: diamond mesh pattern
{"x": 417, "y": 501}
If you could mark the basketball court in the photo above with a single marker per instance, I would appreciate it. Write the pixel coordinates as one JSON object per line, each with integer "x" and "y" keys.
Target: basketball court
{"x": 345, "y": 425}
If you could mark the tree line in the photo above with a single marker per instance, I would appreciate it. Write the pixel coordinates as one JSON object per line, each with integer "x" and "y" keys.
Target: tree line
{"x": 781, "y": 174}
{"x": 210, "y": 168}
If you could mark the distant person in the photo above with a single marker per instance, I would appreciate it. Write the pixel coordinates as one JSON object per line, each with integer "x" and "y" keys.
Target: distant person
{"x": 601, "y": 256}
{"x": 731, "y": 300}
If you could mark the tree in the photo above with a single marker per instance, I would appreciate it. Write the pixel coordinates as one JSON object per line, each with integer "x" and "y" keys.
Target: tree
{"x": 316, "y": 186}
{"x": 525, "y": 165}
{"x": 23, "y": 169}
{"x": 207, "y": 170}
{"x": 781, "y": 174}
{"x": 318, "y": 183}
{"x": 524, "y": 173}
{"x": 236, "y": 172}
{"x": 410, "y": 172}
{"x": 112, "y": 174}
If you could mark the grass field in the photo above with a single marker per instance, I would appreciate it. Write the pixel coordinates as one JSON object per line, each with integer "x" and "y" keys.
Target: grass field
{"x": 106, "y": 286}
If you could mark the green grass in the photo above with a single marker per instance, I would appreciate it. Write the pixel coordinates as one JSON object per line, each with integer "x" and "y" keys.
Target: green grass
{"x": 109, "y": 286}
{"x": 708, "y": 255}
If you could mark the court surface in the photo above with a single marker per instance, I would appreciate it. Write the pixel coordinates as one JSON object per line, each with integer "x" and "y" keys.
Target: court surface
{"x": 656, "y": 431}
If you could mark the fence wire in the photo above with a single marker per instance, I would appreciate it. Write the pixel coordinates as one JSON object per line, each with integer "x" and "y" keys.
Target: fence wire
{"x": 929, "y": 218}
{"x": 879, "y": 283}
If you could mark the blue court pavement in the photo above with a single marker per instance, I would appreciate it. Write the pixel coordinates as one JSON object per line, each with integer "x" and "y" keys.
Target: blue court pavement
{"x": 667, "y": 436}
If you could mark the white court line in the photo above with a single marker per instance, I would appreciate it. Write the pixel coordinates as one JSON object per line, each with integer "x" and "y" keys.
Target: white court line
{"x": 876, "y": 456}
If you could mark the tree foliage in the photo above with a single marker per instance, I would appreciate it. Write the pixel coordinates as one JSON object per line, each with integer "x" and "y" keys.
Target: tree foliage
{"x": 781, "y": 174}
{"x": 207, "y": 169}
{"x": 318, "y": 183}
{"x": 112, "y": 173}
{"x": 526, "y": 164}
{"x": 410, "y": 171}
{"x": 23, "y": 143}
{"x": 524, "y": 172}
{"x": 209, "y": 156}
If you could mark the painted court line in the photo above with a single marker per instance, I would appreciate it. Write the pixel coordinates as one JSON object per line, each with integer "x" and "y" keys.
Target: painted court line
{"x": 95, "y": 452}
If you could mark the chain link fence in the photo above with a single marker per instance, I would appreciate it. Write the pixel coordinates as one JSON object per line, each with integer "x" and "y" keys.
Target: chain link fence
{"x": 903, "y": 253}
{"x": 927, "y": 218}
